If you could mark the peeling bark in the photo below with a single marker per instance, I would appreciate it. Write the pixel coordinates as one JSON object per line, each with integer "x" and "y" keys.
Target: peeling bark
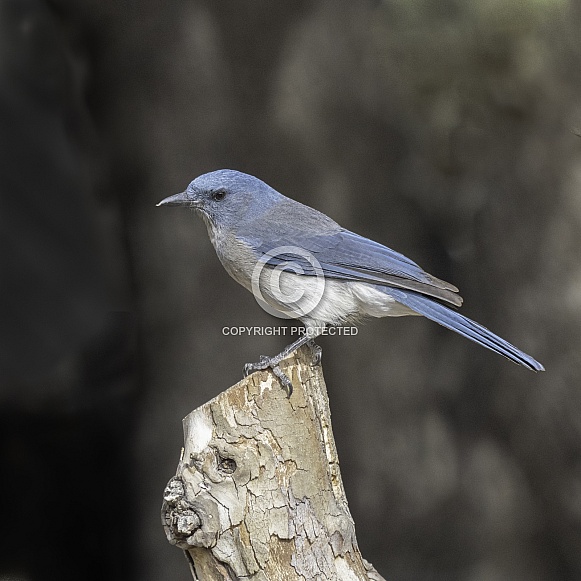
{"x": 258, "y": 491}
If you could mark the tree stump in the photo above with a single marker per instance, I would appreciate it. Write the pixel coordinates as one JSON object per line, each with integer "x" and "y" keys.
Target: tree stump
{"x": 258, "y": 492}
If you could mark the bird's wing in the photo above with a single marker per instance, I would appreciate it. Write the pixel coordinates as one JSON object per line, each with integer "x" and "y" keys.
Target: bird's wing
{"x": 345, "y": 255}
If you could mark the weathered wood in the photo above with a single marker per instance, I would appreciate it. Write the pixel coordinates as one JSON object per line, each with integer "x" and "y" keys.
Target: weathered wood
{"x": 258, "y": 492}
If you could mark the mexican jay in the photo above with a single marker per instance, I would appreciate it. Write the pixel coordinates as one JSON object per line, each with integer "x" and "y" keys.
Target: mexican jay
{"x": 301, "y": 264}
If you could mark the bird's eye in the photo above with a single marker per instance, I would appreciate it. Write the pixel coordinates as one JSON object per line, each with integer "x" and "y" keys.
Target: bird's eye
{"x": 219, "y": 195}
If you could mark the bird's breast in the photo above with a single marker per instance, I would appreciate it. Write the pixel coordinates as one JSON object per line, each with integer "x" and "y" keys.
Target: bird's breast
{"x": 237, "y": 258}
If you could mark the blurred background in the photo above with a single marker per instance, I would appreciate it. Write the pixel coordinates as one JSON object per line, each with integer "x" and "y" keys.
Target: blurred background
{"x": 446, "y": 129}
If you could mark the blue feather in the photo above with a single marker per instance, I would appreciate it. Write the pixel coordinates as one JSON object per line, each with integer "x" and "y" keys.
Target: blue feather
{"x": 463, "y": 325}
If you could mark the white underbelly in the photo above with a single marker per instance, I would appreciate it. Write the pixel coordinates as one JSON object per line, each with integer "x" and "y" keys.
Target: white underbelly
{"x": 322, "y": 301}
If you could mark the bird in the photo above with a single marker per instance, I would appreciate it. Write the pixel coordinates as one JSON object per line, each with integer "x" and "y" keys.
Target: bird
{"x": 301, "y": 264}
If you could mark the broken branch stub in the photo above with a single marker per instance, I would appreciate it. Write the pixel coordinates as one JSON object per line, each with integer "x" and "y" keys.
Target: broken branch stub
{"x": 258, "y": 492}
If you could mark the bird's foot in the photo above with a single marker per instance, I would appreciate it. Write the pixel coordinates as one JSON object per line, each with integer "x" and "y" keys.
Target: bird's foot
{"x": 273, "y": 364}
{"x": 316, "y": 352}
{"x": 264, "y": 363}
{"x": 286, "y": 383}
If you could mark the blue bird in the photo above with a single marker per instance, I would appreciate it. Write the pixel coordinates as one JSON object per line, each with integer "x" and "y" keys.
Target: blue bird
{"x": 301, "y": 264}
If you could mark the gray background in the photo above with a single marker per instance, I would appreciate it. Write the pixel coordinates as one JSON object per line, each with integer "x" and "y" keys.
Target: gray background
{"x": 444, "y": 129}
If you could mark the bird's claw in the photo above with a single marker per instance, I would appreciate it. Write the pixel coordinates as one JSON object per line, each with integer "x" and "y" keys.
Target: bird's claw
{"x": 261, "y": 365}
{"x": 284, "y": 380}
{"x": 272, "y": 363}
{"x": 316, "y": 353}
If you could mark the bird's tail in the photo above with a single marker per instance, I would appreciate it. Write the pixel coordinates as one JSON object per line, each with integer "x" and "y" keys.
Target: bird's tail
{"x": 464, "y": 326}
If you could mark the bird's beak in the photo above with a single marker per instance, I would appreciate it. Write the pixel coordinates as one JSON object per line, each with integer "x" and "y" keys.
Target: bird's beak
{"x": 181, "y": 199}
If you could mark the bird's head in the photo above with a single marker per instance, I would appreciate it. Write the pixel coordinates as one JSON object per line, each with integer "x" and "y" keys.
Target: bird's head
{"x": 225, "y": 197}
